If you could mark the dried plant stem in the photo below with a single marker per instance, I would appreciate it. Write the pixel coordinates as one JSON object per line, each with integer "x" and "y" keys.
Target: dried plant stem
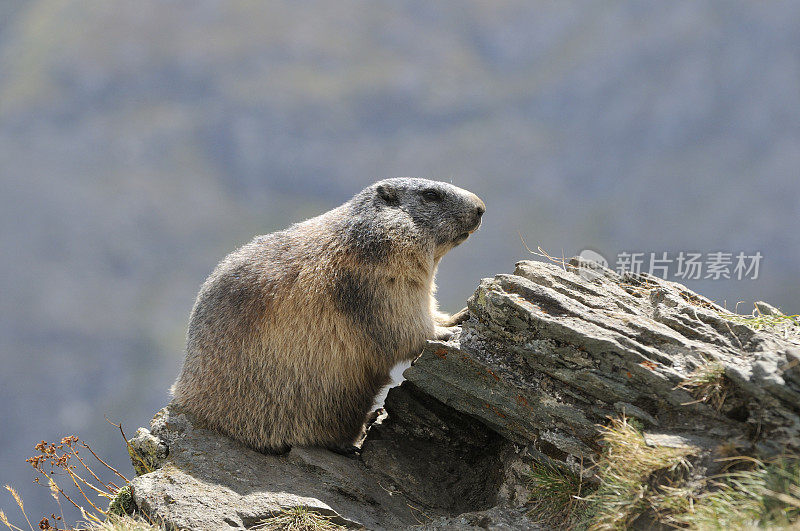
{"x": 19, "y": 503}
{"x": 111, "y": 468}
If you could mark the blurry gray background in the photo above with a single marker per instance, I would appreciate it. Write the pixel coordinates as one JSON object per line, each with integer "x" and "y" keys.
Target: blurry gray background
{"x": 141, "y": 141}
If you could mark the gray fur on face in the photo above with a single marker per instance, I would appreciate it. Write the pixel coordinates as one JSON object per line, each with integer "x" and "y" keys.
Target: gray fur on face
{"x": 435, "y": 214}
{"x": 293, "y": 334}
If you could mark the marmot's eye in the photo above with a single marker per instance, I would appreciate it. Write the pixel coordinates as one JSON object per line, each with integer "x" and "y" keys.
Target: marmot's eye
{"x": 432, "y": 195}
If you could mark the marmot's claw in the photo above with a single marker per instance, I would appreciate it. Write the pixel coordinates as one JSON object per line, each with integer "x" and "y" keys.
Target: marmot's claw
{"x": 460, "y": 316}
{"x": 457, "y": 318}
{"x": 277, "y": 450}
{"x": 347, "y": 450}
{"x": 445, "y": 333}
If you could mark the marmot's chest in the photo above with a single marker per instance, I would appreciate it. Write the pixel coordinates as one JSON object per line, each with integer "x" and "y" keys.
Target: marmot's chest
{"x": 394, "y": 313}
{"x": 406, "y": 319}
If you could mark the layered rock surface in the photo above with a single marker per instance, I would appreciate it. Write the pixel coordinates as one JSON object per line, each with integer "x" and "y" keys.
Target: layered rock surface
{"x": 546, "y": 356}
{"x": 207, "y": 481}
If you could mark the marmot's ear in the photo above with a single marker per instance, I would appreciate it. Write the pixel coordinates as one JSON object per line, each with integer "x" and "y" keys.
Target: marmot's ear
{"x": 388, "y": 194}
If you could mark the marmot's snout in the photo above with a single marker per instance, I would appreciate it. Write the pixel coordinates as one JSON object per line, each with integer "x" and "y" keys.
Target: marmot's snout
{"x": 480, "y": 208}
{"x": 470, "y": 219}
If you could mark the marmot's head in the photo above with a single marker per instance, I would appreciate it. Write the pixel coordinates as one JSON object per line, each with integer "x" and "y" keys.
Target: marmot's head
{"x": 430, "y": 215}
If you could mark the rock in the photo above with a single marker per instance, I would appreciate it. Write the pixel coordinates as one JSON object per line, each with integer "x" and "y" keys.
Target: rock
{"x": 146, "y": 451}
{"x": 442, "y": 460}
{"x": 207, "y": 481}
{"x": 545, "y": 358}
{"x": 765, "y": 308}
{"x": 495, "y": 519}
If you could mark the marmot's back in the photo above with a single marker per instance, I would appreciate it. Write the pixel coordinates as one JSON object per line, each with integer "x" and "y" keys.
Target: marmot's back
{"x": 293, "y": 334}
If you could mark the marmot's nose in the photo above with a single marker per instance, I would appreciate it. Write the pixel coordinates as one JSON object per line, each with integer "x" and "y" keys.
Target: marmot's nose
{"x": 480, "y": 206}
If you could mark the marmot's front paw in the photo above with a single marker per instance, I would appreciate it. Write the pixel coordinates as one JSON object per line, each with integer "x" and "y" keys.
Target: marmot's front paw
{"x": 455, "y": 319}
{"x": 276, "y": 450}
{"x": 443, "y": 333}
{"x": 347, "y": 450}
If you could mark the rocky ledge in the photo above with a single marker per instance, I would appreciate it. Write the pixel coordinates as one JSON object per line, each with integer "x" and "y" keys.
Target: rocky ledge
{"x": 547, "y": 357}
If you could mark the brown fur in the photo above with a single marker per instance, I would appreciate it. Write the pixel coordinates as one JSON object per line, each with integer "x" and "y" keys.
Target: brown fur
{"x": 294, "y": 334}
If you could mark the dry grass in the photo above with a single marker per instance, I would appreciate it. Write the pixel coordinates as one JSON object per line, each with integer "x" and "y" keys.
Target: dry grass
{"x": 20, "y": 504}
{"x": 624, "y": 469}
{"x": 125, "y": 523}
{"x": 787, "y": 326}
{"x": 65, "y": 459}
{"x": 708, "y": 384}
{"x": 72, "y": 472}
{"x": 766, "y": 496}
{"x": 299, "y": 519}
{"x": 556, "y": 496}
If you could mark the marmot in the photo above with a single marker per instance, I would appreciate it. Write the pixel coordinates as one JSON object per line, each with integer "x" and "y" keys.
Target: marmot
{"x": 294, "y": 334}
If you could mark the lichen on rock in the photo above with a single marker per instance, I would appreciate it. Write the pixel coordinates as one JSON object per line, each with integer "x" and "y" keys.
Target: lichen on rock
{"x": 146, "y": 451}
{"x": 123, "y": 503}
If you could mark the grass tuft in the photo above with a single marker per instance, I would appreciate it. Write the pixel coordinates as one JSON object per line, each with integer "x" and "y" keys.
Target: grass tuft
{"x": 774, "y": 321}
{"x": 708, "y": 384}
{"x": 624, "y": 469}
{"x": 122, "y": 504}
{"x": 124, "y": 523}
{"x": 299, "y": 519}
{"x": 767, "y": 496}
{"x": 636, "y": 479}
{"x": 555, "y": 496}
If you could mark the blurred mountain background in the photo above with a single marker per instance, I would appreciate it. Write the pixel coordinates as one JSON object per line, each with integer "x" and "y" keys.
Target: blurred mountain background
{"x": 141, "y": 141}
